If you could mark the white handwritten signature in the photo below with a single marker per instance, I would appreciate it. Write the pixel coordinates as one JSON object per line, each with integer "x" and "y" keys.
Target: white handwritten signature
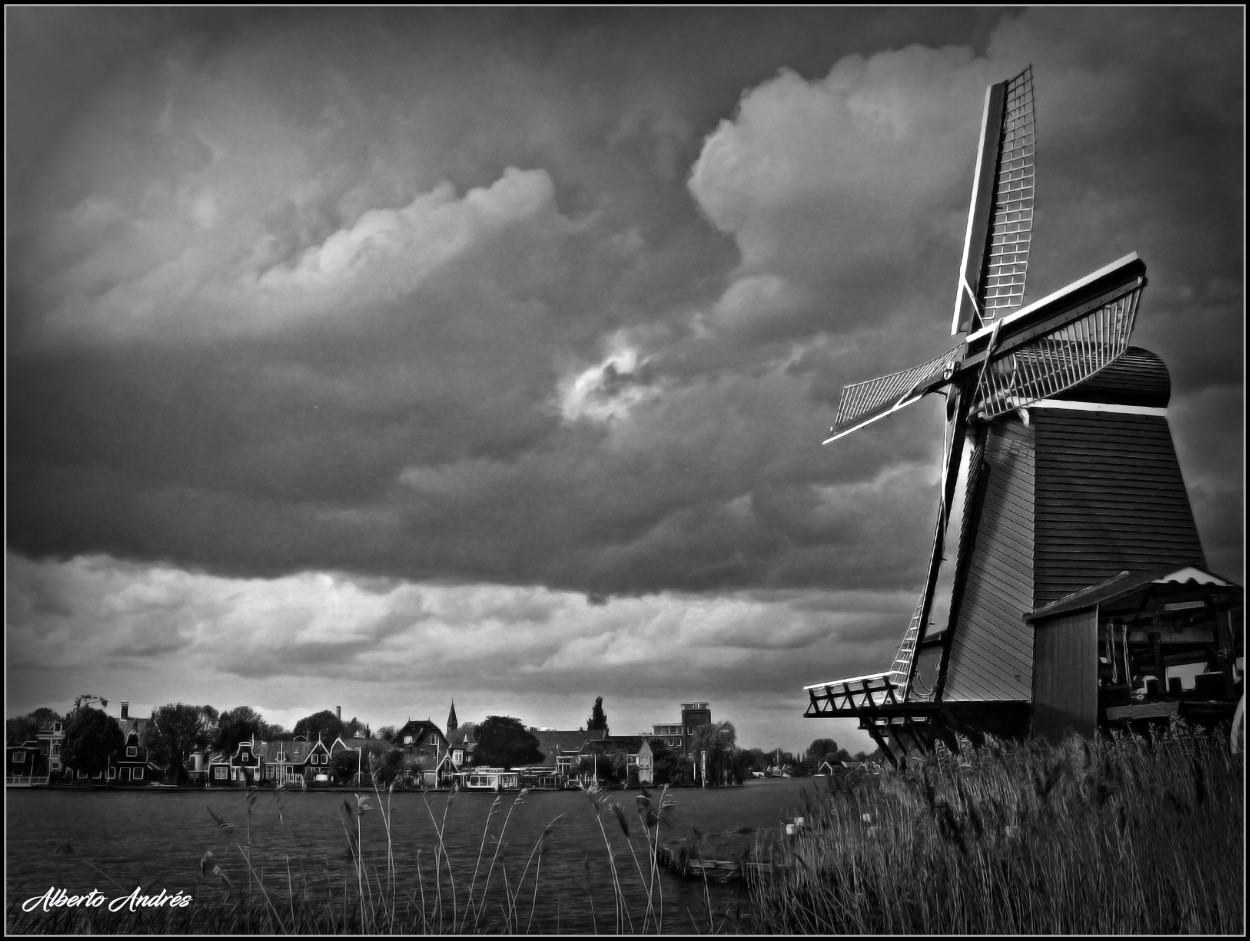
{"x": 58, "y": 898}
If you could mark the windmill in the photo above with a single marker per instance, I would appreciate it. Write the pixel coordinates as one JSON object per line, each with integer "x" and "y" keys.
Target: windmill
{"x": 1030, "y": 393}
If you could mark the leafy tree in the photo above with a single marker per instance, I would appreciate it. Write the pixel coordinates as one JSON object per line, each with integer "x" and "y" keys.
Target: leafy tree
{"x": 757, "y": 759}
{"x": 598, "y": 721}
{"x": 241, "y": 724}
{"x": 377, "y": 761}
{"x": 681, "y": 771}
{"x": 612, "y": 763}
{"x": 821, "y": 748}
{"x": 412, "y": 766}
{"x": 503, "y": 741}
{"x": 324, "y": 723}
{"x": 663, "y": 759}
{"x": 461, "y": 732}
{"x": 346, "y": 763}
{"x": 273, "y": 731}
{"x": 91, "y": 739}
{"x": 724, "y": 762}
{"x": 174, "y": 732}
{"x": 22, "y": 729}
{"x": 384, "y": 764}
{"x": 387, "y": 733}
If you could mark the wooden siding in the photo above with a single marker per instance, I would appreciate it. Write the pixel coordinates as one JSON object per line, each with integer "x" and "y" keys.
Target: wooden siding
{"x": 991, "y": 648}
{"x": 1138, "y": 377}
{"x": 1109, "y": 497}
{"x": 1065, "y": 679}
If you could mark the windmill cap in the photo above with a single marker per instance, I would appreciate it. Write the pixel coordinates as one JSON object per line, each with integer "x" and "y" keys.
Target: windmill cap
{"x": 1138, "y": 377}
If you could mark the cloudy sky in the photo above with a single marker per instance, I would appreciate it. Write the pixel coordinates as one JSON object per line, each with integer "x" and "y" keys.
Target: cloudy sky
{"x": 379, "y": 358}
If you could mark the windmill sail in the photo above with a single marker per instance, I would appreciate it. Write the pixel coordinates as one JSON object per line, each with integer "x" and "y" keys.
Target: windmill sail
{"x": 996, "y": 252}
{"x": 1054, "y": 362}
{"x": 1000, "y": 218}
{"x": 865, "y": 402}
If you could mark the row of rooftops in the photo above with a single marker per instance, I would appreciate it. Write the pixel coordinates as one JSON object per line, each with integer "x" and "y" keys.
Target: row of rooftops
{"x": 425, "y": 733}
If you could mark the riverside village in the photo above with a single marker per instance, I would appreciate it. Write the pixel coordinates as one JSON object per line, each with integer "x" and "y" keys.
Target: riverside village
{"x": 187, "y": 746}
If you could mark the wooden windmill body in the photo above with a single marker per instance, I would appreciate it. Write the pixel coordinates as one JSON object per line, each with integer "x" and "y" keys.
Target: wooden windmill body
{"x": 1060, "y": 467}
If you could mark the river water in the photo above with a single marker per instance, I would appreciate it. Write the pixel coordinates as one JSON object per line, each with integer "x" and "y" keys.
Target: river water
{"x": 296, "y": 842}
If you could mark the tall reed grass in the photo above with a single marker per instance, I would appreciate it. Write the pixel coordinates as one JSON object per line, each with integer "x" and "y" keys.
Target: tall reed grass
{"x": 1121, "y": 835}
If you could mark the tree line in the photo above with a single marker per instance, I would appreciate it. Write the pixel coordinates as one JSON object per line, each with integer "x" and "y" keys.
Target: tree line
{"x": 173, "y": 733}
{"x": 177, "y": 730}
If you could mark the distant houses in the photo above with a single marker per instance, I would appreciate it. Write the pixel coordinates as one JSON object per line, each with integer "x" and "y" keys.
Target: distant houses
{"x": 35, "y": 761}
{"x": 418, "y": 755}
{"x": 38, "y": 761}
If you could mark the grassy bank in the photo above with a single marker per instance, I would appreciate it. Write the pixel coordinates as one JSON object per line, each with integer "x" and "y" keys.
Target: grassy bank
{"x": 1124, "y": 835}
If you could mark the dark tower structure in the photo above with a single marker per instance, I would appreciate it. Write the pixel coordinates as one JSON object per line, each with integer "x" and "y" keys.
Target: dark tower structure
{"x": 693, "y": 715}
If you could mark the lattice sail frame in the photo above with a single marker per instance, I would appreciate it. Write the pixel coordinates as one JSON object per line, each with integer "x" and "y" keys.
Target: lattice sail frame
{"x": 1011, "y": 230}
{"x": 864, "y": 402}
{"x": 1054, "y": 363}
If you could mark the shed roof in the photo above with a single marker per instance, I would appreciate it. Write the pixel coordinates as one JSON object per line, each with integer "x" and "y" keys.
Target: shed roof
{"x": 1137, "y": 589}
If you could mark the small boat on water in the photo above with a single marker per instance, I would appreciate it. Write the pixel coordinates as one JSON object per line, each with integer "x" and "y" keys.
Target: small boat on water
{"x": 689, "y": 863}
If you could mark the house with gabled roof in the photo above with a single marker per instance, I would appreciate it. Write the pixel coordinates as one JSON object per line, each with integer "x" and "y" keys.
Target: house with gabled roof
{"x": 130, "y": 765}
{"x": 562, "y": 751}
{"x": 246, "y": 766}
{"x": 424, "y": 744}
{"x": 285, "y": 760}
{"x": 37, "y": 760}
{"x": 317, "y": 765}
{"x": 421, "y": 734}
{"x": 24, "y": 766}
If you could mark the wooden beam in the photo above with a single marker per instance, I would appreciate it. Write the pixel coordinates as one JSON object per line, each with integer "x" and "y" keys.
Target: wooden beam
{"x": 1146, "y": 710}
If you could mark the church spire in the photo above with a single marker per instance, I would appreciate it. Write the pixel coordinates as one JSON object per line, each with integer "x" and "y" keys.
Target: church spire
{"x": 451, "y": 719}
